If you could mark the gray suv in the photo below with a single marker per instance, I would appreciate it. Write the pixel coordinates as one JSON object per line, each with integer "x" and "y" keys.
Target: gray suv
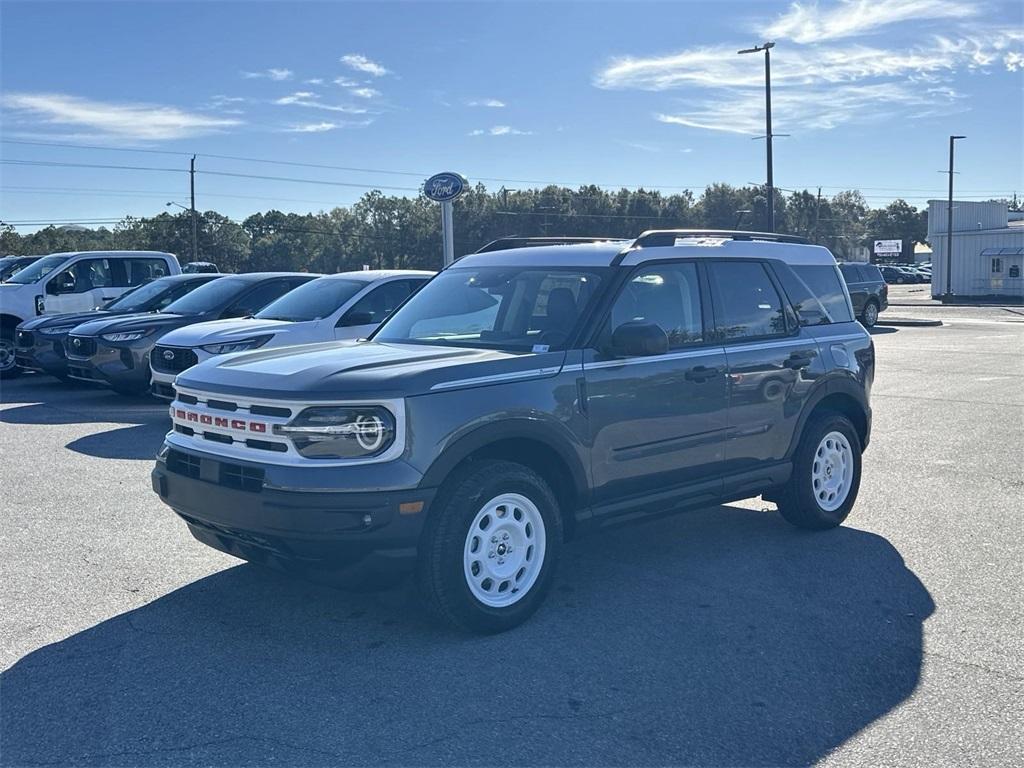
{"x": 521, "y": 397}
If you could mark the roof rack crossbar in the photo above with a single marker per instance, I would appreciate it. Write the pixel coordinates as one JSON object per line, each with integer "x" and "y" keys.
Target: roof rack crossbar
{"x": 515, "y": 241}
{"x": 662, "y": 237}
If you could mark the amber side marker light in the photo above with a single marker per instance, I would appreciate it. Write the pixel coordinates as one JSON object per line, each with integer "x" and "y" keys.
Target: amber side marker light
{"x": 410, "y": 508}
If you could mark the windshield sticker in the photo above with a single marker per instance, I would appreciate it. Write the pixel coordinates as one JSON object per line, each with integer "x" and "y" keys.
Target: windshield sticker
{"x": 540, "y": 348}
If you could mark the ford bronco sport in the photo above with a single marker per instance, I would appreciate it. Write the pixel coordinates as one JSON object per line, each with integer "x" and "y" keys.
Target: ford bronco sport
{"x": 522, "y": 396}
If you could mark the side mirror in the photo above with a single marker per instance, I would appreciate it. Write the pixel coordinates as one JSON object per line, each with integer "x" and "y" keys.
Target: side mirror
{"x": 639, "y": 338}
{"x": 355, "y": 318}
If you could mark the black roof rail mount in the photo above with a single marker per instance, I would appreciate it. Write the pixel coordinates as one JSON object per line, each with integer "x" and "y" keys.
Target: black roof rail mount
{"x": 514, "y": 241}
{"x": 653, "y": 238}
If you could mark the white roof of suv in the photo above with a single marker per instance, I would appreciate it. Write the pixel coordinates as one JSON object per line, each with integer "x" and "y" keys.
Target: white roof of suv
{"x": 659, "y": 244}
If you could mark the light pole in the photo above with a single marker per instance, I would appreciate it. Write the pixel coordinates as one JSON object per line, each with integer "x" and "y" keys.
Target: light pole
{"x": 767, "y": 47}
{"x": 195, "y": 250}
{"x": 949, "y": 223}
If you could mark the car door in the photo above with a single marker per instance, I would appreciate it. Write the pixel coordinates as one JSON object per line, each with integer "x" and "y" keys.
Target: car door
{"x": 768, "y": 356}
{"x": 659, "y": 421}
{"x": 81, "y": 286}
{"x": 372, "y": 309}
{"x": 855, "y": 284}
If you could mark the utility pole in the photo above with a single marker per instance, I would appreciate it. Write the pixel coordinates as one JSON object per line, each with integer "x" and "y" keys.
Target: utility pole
{"x": 949, "y": 222}
{"x": 767, "y": 47}
{"x": 817, "y": 213}
{"x": 195, "y": 226}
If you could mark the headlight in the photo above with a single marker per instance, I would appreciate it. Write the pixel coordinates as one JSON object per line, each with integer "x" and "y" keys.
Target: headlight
{"x": 341, "y": 432}
{"x": 236, "y": 346}
{"x": 56, "y": 331}
{"x": 126, "y": 335}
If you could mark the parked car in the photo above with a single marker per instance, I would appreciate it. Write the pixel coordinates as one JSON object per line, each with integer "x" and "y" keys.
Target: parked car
{"x": 194, "y": 267}
{"x": 72, "y": 282}
{"x": 115, "y": 351}
{"x": 895, "y": 275}
{"x": 349, "y": 305}
{"x": 41, "y": 343}
{"x": 11, "y": 264}
{"x": 522, "y": 396}
{"x": 868, "y": 291}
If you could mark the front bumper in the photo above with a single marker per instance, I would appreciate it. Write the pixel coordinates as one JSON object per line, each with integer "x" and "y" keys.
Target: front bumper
{"x": 45, "y": 354}
{"x": 352, "y": 536}
{"x": 161, "y": 384}
{"x": 123, "y": 366}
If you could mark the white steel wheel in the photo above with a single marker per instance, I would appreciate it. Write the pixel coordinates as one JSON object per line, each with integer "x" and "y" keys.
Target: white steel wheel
{"x": 504, "y": 550}
{"x": 832, "y": 471}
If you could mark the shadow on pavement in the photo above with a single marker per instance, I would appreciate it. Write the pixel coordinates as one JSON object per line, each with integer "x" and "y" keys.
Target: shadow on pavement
{"x": 879, "y": 330}
{"x": 141, "y": 441}
{"x": 722, "y": 637}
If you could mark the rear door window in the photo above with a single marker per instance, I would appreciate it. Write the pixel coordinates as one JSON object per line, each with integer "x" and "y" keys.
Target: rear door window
{"x": 747, "y": 305}
{"x": 256, "y": 299}
{"x": 379, "y": 303}
{"x": 139, "y": 271}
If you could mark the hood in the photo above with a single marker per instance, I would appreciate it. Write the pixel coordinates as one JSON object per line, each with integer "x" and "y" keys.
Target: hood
{"x": 235, "y": 329}
{"x": 358, "y": 370}
{"x": 163, "y": 321}
{"x": 72, "y": 318}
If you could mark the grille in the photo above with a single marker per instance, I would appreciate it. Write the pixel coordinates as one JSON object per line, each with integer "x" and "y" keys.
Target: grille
{"x": 81, "y": 346}
{"x": 24, "y": 339}
{"x": 172, "y": 359}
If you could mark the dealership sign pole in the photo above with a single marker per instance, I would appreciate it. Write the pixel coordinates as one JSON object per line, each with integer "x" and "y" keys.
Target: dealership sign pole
{"x": 444, "y": 188}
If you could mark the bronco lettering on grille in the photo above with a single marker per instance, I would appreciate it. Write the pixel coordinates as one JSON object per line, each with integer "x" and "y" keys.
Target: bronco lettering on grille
{"x": 219, "y": 421}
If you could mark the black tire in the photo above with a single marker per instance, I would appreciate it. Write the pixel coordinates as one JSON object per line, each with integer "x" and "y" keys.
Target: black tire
{"x": 869, "y": 316}
{"x": 798, "y": 500}
{"x": 440, "y": 573}
{"x": 8, "y": 368}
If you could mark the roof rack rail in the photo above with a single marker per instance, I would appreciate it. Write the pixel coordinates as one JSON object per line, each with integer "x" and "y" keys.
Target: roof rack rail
{"x": 514, "y": 241}
{"x": 662, "y": 237}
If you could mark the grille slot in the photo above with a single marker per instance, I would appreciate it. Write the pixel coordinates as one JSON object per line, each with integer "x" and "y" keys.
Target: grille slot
{"x": 188, "y": 399}
{"x": 269, "y": 410}
{"x": 217, "y": 438}
{"x": 221, "y": 405}
{"x": 184, "y": 430}
{"x": 266, "y": 445}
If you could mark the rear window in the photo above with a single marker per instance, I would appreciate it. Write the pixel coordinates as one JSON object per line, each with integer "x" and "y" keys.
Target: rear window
{"x": 824, "y": 283}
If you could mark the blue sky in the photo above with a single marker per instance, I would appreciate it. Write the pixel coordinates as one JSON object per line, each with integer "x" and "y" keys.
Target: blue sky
{"x": 617, "y": 94}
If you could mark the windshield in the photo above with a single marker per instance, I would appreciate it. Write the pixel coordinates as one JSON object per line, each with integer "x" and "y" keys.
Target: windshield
{"x": 508, "y": 308}
{"x": 141, "y": 299}
{"x": 37, "y": 270}
{"x": 210, "y": 296}
{"x": 313, "y": 300}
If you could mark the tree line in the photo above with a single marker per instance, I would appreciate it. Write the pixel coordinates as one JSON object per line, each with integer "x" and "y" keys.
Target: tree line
{"x": 384, "y": 231}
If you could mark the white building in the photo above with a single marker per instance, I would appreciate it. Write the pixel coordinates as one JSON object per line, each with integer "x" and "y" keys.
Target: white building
{"x": 988, "y": 249}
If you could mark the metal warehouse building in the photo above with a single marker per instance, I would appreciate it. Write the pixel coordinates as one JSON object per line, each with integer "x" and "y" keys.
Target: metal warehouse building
{"x": 988, "y": 249}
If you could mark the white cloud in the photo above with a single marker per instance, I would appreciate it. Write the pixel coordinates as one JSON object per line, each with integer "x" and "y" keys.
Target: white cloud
{"x": 311, "y": 128}
{"x": 346, "y": 82}
{"x": 819, "y": 85}
{"x": 272, "y": 74}
{"x": 850, "y": 18}
{"x": 494, "y": 103}
{"x": 360, "y": 63}
{"x": 310, "y": 99}
{"x": 365, "y": 93}
{"x": 314, "y": 81}
{"x": 129, "y": 121}
{"x": 500, "y": 130}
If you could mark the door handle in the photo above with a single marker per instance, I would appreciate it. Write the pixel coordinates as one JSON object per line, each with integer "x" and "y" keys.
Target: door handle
{"x": 701, "y": 373}
{"x": 796, "y": 361}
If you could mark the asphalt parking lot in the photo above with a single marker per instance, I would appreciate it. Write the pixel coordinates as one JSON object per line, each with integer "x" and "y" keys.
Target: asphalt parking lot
{"x": 721, "y": 637}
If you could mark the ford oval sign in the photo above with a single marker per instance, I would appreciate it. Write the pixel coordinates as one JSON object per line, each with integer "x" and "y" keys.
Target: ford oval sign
{"x": 444, "y": 187}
